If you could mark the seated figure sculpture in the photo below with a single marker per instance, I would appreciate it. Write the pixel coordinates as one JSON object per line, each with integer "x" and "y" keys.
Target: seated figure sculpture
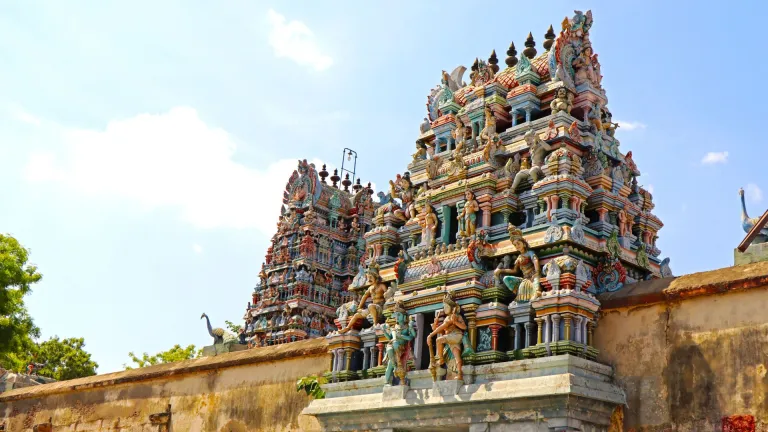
{"x": 527, "y": 287}
{"x": 451, "y": 337}
{"x": 376, "y": 292}
{"x": 399, "y": 345}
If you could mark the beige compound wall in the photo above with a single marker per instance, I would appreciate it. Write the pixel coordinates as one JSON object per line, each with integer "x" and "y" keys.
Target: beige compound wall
{"x": 257, "y": 395}
{"x": 686, "y": 364}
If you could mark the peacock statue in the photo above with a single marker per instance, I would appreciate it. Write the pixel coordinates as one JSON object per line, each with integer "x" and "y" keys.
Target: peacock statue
{"x": 219, "y": 335}
{"x": 747, "y": 223}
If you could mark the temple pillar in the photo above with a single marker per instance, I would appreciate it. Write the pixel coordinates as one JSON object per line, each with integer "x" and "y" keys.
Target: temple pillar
{"x": 471, "y": 324}
{"x": 484, "y": 202}
{"x": 590, "y": 328}
{"x": 366, "y": 357}
{"x": 448, "y": 221}
{"x": 602, "y": 212}
{"x": 527, "y": 334}
{"x": 332, "y": 357}
{"x": 547, "y": 329}
{"x": 567, "y": 318}
{"x": 539, "y": 321}
{"x": 555, "y": 327}
{"x": 495, "y": 336}
{"x": 419, "y": 344}
{"x": 513, "y": 113}
{"x": 348, "y": 359}
{"x": 373, "y": 357}
{"x": 380, "y": 350}
{"x": 528, "y": 115}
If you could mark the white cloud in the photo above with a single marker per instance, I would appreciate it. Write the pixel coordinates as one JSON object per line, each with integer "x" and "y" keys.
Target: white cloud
{"x": 294, "y": 40}
{"x": 714, "y": 158}
{"x": 630, "y": 126}
{"x": 649, "y": 188}
{"x": 196, "y": 248}
{"x": 753, "y": 193}
{"x": 168, "y": 160}
{"x": 23, "y": 116}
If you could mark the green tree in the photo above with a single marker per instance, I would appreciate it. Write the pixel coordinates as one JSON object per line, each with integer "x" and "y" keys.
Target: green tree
{"x": 234, "y": 328}
{"x": 17, "y": 330}
{"x": 175, "y": 354}
{"x": 61, "y": 359}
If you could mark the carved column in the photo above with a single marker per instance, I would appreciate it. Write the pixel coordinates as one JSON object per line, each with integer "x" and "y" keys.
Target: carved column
{"x": 602, "y": 213}
{"x": 590, "y": 328}
{"x": 555, "y": 327}
{"x": 448, "y": 221}
{"x": 539, "y": 321}
{"x": 373, "y": 357}
{"x": 515, "y": 336}
{"x": 567, "y": 318}
{"x": 527, "y": 334}
{"x": 577, "y": 329}
{"x": 419, "y": 344}
{"x": 513, "y": 113}
{"x": 366, "y": 357}
{"x": 484, "y": 202}
{"x": 469, "y": 313}
{"x": 333, "y": 359}
{"x": 380, "y": 349}
{"x": 348, "y": 365}
{"x": 495, "y": 336}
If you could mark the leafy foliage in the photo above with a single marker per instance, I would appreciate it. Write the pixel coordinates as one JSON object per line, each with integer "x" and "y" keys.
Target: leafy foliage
{"x": 311, "y": 385}
{"x": 17, "y": 330}
{"x": 234, "y": 328}
{"x": 62, "y": 359}
{"x": 175, "y": 354}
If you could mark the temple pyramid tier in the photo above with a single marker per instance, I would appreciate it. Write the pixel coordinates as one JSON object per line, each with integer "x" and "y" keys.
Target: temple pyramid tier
{"x": 313, "y": 258}
{"x": 517, "y": 209}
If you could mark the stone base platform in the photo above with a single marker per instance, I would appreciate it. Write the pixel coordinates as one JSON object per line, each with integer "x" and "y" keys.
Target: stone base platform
{"x": 756, "y": 252}
{"x": 212, "y": 350}
{"x": 561, "y": 393}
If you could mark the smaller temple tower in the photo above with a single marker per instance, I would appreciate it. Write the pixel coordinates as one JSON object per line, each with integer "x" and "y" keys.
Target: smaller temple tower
{"x": 313, "y": 257}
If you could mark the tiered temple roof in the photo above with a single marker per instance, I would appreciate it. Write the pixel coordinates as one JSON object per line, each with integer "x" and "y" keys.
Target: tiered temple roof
{"x": 312, "y": 259}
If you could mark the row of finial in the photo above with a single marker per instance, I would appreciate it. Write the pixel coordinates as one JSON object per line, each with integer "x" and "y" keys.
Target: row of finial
{"x": 346, "y": 182}
{"x": 529, "y": 51}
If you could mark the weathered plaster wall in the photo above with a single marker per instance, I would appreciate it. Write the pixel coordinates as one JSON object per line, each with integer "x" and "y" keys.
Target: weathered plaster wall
{"x": 694, "y": 355}
{"x": 688, "y": 351}
{"x": 233, "y": 392}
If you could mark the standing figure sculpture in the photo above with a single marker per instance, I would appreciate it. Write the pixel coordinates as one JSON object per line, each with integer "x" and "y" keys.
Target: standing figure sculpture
{"x": 488, "y": 135}
{"x": 428, "y": 225}
{"x": 538, "y": 149}
{"x": 460, "y": 137}
{"x": 399, "y": 345}
{"x": 219, "y": 335}
{"x": 468, "y": 216}
{"x": 376, "y": 291}
{"x": 524, "y": 288}
{"x": 450, "y": 336}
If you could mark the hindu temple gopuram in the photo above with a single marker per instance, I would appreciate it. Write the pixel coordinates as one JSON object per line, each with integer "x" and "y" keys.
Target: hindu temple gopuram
{"x": 517, "y": 209}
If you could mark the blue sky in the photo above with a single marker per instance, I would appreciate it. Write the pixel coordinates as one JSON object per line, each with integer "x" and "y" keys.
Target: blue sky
{"x": 144, "y": 145}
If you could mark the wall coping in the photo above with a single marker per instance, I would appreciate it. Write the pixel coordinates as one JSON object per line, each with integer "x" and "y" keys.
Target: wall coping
{"x": 728, "y": 279}
{"x": 162, "y": 371}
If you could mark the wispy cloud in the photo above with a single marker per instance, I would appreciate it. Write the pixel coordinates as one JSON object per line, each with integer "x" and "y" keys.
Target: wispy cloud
{"x": 630, "y": 126}
{"x": 172, "y": 160}
{"x": 196, "y": 248}
{"x": 715, "y": 158}
{"x": 753, "y": 193}
{"x": 294, "y": 40}
{"x": 19, "y": 114}
{"x": 649, "y": 188}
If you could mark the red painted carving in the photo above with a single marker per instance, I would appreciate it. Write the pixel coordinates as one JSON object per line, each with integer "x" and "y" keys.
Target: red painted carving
{"x": 739, "y": 423}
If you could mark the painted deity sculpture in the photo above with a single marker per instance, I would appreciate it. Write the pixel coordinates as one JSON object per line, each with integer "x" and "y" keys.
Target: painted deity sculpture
{"x": 527, "y": 287}
{"x": 563, "y": 101}
{"x": 538, "y": 149}
{"x": 376, "y": 292}
{"x": 460, "y": 137}
{"x": 488, "y": 135}
{"x": 402, "y": 187}
{"x": 428, "y": 225}
{"x": 399, "y": 344}
{"x": 450, "y": 338}
{"x": 468, "y": 215}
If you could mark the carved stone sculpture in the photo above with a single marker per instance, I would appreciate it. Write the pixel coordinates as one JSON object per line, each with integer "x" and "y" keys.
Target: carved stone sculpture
{"x": 563, "y": 101}
{"x": 538, "y": 149}
{"x": 376, "y": 292}
{"x": 449, "y": 340}
{"x": 468, "y": 215}
{"x": 527, "y": 287}
{"x": 399, "y": 344}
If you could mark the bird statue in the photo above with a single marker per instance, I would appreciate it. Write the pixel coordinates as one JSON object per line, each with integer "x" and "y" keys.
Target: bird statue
{"x": 219, "y": 335}
{"x": 746, "y": 222}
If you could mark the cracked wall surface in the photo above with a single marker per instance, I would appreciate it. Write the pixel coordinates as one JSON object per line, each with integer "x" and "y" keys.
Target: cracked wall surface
{"x": 690, "y": 362}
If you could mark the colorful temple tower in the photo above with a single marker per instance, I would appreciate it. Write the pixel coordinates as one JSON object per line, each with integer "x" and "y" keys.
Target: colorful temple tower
{"x": 313, "y": 257}
{"x": 517, "y": 209}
